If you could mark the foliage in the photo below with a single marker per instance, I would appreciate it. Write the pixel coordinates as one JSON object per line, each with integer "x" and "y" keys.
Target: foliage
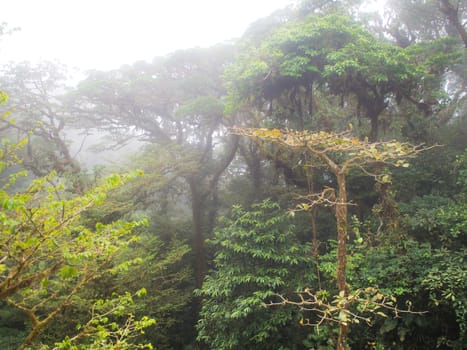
{"x": 446, "y": 283}
{"x": 257, "y": 257}
{"x": 173, "y": 103}
{"x": 40, "y": 116}
{"x": 166, "y": 273}
{"x": 414, "y": 273}
{"x": 47, "y": 255}
{"x": 294, "y": 54}
{"x": 411, "y": 22}
{"x": 339, "y": 56}
{"x": 101, "y": 332}
{"x": 160, "y": 257}
{"x": 339, "y": 153}
{"x": 432, "y": 268}
{"x": 360, "y": 305}
{"x": 304, "y": 73}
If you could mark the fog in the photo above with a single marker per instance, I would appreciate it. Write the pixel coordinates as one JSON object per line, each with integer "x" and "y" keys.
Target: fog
{"x": 194, "y": 175}
{"x": 106, "y": 34}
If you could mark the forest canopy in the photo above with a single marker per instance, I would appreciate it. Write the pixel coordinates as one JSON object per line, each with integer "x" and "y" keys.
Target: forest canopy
{"x": 302, "y": 187}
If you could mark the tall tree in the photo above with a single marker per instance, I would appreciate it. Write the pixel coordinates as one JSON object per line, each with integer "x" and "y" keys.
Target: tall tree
{"x": 339, "y": 153}
{"x": 409, "y": 22}
{"x": 35, "y": 97}
{"x": 337, "y": 55}
{"x": 456, "y": 13}
{"x": 175, "y": 103}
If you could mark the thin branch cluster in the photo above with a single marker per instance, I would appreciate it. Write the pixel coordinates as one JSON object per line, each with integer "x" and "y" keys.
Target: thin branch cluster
{"x": 359, "y": 306}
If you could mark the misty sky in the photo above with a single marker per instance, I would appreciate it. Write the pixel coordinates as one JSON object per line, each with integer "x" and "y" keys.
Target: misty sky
{"x": 104, "y": 34}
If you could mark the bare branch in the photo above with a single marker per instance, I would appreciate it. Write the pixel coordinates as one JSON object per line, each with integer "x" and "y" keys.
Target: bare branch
{"x": 359, "y": 305}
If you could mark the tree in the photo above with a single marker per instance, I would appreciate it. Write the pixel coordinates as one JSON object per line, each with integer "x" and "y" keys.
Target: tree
{"x": 4, "y": 30}
{"x": 339, "y": 153}
{"x": 426, "y": 267}
{"x": 430, "y": 31}
{"x": 35, "y": 98}
{"x": 409, "y": 22}
{"x": 453, "y": 14}
{"x": 47, "y": 255}
{"x": 174, "y": 103}
{"x": 347, "y": 7}
{"x": 337, "y": 55}
{"x": 258, "y": 255}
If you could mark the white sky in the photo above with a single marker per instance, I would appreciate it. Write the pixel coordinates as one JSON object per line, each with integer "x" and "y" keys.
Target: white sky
{"x": 105, "y": 34}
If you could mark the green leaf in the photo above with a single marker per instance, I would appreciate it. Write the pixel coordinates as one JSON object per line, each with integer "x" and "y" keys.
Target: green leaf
{"x": 67, "y": 272}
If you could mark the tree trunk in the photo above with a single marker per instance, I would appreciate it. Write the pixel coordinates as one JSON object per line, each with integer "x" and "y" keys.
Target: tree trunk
{"x": 315, "y": 244}
{"x": 197, "y": 209}
{"x": 341, "y": 217}
{"x": 452, "y": 14}
{"x": 314, "y": 234}
{"x": 250, "y": 154}
{"x": 342, "y": 235}
{"x": 374, "y": 107}
{"x": 374, "y": 128}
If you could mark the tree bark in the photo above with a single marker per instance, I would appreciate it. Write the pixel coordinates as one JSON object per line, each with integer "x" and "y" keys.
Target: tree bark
{"x": 197, "y": 209}
{"x": 315, "y": 244}
{"x": 342, "y": 235}
{"x": 252, "y": 159}
{"x": 341, "y": 217}
{"x": 374, "y": 128}
{"x": 452, "y": 14}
